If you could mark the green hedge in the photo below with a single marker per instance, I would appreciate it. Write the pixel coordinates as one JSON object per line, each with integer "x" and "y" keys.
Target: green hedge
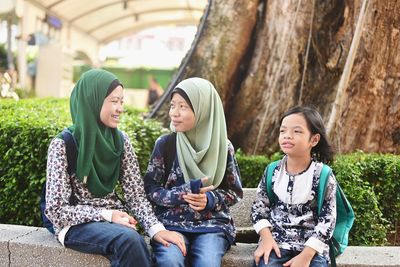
{"x": 370, "y": 181}
{"x": 370, "y": 227}
{"x": 26, "y": 129}
{"x": 252, "y": 167}
{"x": 383, "y": 173}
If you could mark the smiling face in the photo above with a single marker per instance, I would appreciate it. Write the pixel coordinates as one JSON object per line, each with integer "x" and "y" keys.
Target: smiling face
{"x": 295, "y": 139}
{"x": 181, "y": 115}
{"x": 112, "y": 108}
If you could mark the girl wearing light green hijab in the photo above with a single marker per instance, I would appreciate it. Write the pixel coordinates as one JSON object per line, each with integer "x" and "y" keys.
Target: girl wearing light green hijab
{"x": 83, "y": 207}
{"x": 193, "y": 195}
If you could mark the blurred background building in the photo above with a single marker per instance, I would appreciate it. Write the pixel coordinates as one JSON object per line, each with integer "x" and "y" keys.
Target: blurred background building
{"x": 47, "y": 44}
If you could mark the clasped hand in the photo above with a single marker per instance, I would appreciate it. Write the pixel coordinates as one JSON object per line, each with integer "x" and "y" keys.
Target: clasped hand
{"x": 198, "y": 201}
{"x": 123, "y": 218}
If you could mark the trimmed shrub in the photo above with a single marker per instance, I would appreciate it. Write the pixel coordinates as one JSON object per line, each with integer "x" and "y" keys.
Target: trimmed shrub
{"x": 252, "y": 167}
{"x": 383, "y": 173}
{"x": 142, "y": 133}
{"x": 26, "y": 129}
{"x": 370, "y": 227}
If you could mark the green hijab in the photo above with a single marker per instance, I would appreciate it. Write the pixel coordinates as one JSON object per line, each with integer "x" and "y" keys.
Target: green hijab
{"x": 99, "y": 147}
{"x": 203, "y": 150}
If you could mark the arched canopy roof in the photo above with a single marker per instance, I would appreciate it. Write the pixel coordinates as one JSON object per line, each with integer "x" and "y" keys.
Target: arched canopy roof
{"x": 107, "y": 20}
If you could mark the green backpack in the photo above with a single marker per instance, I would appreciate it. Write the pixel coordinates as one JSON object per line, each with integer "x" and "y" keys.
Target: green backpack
{"x": 344, "y": 211}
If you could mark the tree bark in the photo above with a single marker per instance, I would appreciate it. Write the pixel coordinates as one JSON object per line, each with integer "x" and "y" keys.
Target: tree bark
{"x": 217, "y": 51}
{"x": 266, "y": 56}
{"x": 370, "y": 116}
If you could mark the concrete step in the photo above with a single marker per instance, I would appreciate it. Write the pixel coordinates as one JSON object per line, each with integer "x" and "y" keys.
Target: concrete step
{"x": 34, "y": 246}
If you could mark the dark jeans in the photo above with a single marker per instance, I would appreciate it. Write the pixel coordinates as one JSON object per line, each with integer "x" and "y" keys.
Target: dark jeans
{"x": 123, "y": 246}
{"x": 286, "y": 255}
{"x": 203, "y": 250}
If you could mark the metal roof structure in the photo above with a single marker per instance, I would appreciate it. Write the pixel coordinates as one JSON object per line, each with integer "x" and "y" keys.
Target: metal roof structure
{"x": 107, "y": 20}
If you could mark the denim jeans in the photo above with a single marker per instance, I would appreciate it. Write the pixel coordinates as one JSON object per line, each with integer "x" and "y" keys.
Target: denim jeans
{"x": 123, "y": 246}
{"x": 286, "y": 255}
{"x": 203, "y": 250}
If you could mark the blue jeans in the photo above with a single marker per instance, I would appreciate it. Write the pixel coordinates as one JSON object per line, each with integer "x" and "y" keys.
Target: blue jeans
{"x": 123, "y": 246}
{"x": 203, "y": 249}
{"x": 286, "y": 255}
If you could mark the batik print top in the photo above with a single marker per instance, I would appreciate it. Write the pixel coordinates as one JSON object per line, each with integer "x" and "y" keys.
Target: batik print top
{"x": 166, "y": 194}
{"x": 293, "y": 218}
{"x": 60, "y": 186}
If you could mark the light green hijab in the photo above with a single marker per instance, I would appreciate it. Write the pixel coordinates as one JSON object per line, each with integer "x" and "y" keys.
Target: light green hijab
{"x": 99, "y": 147}
{"x": 203, "y": 150}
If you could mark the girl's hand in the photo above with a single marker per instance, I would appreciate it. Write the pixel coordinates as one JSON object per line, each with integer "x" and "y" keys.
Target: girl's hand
{"x": 267, "y": 243}
{"x": 198, "y": 201}
{"x": 166, "y": 237}
{"x": 123, "y": 218}
{"x": 303, "y": 259}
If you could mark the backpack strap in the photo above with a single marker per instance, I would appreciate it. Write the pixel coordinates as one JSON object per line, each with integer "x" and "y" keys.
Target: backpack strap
{"x": 71, "y": 149}
{"x": 46, "y": 222}
{"x": 169, "y": 152}
{"x": 323, "y": 182}
{"x": 269, "y": 172}
{"x": 332, "y": 253}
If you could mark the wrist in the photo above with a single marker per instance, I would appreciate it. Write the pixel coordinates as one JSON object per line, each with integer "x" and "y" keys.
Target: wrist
{"x": 309, "y": 252}
{"x": 155, "y": 229}
{"x": 265, "y": 233}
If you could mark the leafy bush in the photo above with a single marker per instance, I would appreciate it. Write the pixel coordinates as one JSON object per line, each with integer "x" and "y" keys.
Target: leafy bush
{"x": 370, "y": 227}
{"x": 251, "y": 168}
{"x": 26, "y": 129}
{"x": 383, "y": 173}
{"x": 142, "y": 133}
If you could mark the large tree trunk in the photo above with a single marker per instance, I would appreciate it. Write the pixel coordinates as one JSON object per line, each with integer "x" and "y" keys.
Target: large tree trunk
{"x": 266, "y": 56}
{"x": 218, "y": 50}
{"x": 370, "y": 115}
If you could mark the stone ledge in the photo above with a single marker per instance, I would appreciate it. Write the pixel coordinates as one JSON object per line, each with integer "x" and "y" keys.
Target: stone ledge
{"x": 34, "y": 246}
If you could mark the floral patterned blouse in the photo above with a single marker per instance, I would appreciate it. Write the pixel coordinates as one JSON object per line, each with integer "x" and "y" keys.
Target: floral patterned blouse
{"x": 293, "y": 219}
{"x": 171, "y": 209}
{"x": 88, "y": 208}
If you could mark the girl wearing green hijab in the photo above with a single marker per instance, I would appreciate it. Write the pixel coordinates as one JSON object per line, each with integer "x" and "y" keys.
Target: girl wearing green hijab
{"x": 193, "y": 195}
{"x": 86, "y": 213}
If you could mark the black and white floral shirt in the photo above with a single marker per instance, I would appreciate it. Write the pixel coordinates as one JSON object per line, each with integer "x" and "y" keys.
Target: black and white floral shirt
{"x": 88, "y": 208}
{"x": 293, "y": 218}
